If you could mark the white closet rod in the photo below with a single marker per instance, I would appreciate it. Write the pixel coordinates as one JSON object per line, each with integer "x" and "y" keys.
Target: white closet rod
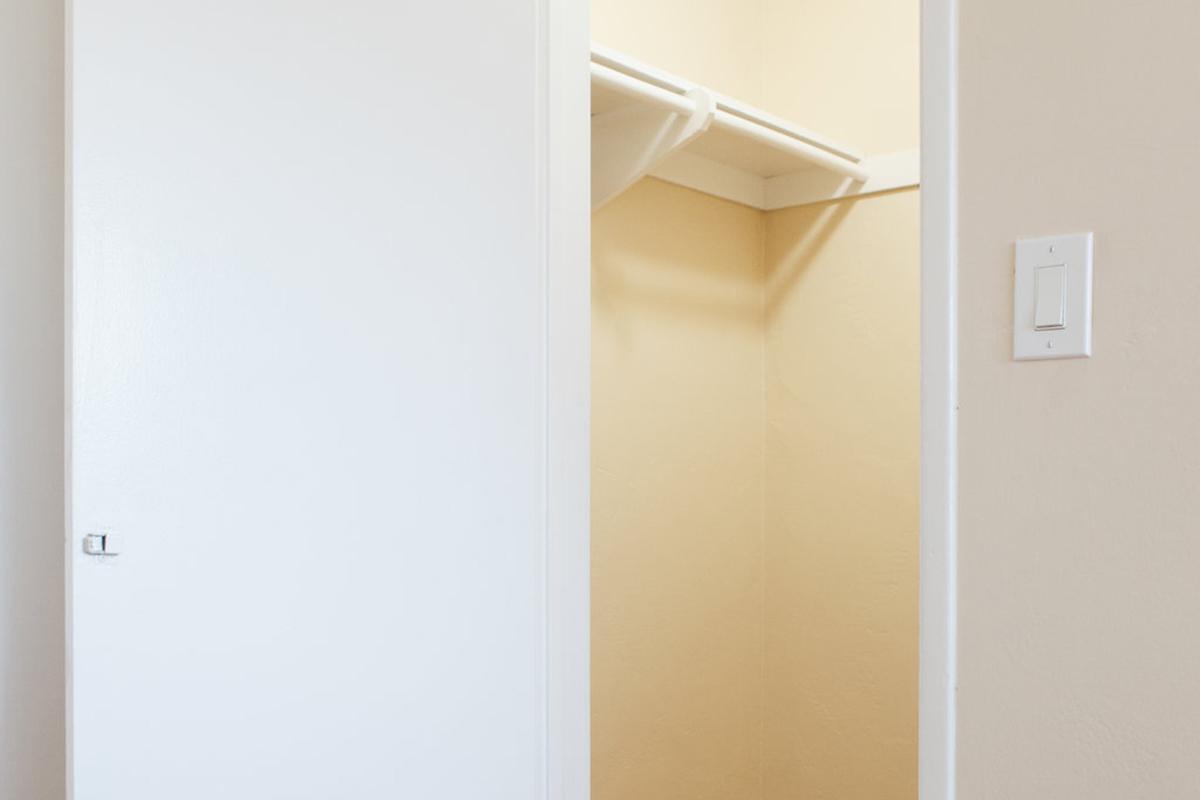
{"x": 638, "y": 89}
{"x": 617, "y": 81}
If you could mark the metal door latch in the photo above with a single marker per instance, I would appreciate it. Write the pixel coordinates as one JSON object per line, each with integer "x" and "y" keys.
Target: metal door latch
{"x": 101, "y": 544}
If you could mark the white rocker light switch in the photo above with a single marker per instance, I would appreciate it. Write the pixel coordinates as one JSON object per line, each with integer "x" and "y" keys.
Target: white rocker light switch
{"x": 1052, "y": 298}
{"x": 1051, "y": 312}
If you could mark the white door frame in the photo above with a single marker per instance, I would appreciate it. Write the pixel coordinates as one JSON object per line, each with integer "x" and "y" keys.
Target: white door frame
{"x": 566, "y": 214}
{"x": 939, "y": 399}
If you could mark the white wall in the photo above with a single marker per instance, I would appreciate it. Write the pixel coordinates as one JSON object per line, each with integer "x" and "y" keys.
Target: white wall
{"x": 31, "y": 400}
{"x": 1079, "y": 501}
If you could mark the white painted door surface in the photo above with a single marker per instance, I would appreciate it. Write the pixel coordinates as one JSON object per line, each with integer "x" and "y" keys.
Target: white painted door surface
{"x": 308, "y": 394}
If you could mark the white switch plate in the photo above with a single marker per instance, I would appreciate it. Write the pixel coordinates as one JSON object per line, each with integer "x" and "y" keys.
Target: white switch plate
{"x": 1074, "y": 339}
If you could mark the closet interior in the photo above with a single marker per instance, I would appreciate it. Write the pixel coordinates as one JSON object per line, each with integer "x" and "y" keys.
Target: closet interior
{"x": 755, "y": 398}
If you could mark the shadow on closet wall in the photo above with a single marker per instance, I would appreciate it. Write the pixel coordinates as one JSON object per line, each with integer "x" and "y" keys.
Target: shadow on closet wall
{"x": 684, "y": 252}
{"x": 842, "y": 481}
{"x": 677, "y": 483}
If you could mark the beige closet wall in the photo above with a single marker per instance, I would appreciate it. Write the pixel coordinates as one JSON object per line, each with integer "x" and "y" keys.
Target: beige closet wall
{"x": 1079, "y": 508}
{"x": 716, "y": 43}
{"x": 842, "y": 443}
{"x": 677, "y": 482}
{"x": 846, "y": 68}
{"x": 755, "y": 383}
{"x": 677, "y": 448}
{"x": 843, "y": 419}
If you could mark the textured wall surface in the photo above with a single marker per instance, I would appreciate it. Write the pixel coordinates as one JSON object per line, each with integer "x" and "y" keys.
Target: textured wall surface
{"x": 842, "y": 441}
{"x": 843, "y": 369}
{"x": 677, "y": 504}
{"x": 845, "y": 68}
{"x": 32, "y": 683}
{"x": 677, "y": 447}
{"x": 717, "y": 43}
{"x": 1078, "y": 479}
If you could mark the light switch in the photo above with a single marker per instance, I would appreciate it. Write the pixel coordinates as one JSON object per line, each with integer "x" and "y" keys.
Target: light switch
{"x": 1052, "y": 297}
{"x": 1050, "y": 313}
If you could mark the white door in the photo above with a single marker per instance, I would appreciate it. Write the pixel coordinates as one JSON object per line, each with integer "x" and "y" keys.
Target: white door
{"x": 308, "y": 400}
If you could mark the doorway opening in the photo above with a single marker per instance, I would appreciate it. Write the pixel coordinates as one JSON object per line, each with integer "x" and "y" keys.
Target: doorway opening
{"x": 758, "y": 266}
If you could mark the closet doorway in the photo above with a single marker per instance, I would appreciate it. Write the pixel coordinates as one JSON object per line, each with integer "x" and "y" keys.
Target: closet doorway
{"x": 770, "y": 526}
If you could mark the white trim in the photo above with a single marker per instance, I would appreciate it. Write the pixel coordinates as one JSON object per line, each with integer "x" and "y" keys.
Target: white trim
{"x": 712, "y": 177}
{"x": 888, "y": 172}
{"x": 567, "y": 220}
{"x": 939, "y": 399}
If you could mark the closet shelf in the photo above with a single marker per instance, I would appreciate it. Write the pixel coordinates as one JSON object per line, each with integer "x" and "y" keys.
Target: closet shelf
{"x": 648, "y": 122}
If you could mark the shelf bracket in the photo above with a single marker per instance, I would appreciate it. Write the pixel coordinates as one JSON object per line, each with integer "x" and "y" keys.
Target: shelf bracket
{"x": 629, "y": 142}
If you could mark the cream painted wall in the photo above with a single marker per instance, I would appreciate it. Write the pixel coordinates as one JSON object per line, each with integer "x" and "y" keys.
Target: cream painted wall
{"x": 717, "y": 43}
{"x": 32, "y": 680}
{"x": 1078, "y": 546}
{"x": 770, "y": 656}
{"x": 677, "y": 448}
{"x": 842, "y": 442}
{"x": 846, "y": 68}
{"x": 677, "y": 482}
{"x": 843, "y": 423}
